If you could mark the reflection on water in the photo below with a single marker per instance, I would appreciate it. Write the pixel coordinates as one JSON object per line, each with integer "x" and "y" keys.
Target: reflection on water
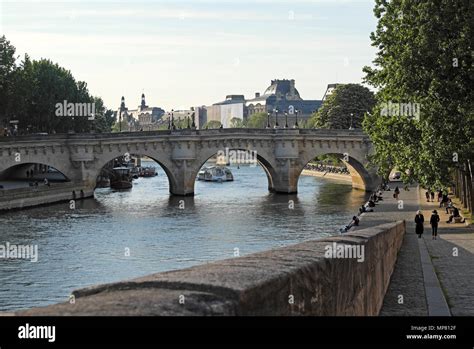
{"x": 88, "y": 245}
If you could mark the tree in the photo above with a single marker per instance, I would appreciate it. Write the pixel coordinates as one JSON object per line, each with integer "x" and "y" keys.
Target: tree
{"x": 104, "y": 118}
{"x": 423, "y": 62}
{"x": 7, "y": 71}
{"x": 344, "y": 108}
{"x": 212, "y": 124}
{"x": 237, "y": 123}
{"x": 31, "y": 91}
{"x": 257, "y": 120}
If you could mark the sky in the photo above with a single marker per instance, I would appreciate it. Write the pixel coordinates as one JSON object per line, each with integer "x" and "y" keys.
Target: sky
{"x": 189, "y": 53}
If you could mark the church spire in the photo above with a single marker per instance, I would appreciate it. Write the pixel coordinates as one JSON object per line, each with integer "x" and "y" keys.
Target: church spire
{"x": 143, "y": 104}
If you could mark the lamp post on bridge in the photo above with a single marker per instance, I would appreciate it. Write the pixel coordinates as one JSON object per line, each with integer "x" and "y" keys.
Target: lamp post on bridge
{"x": 276, "y": 118}
{"x": 296, "y": 122}
{"x": 188, "y": 118}
{"x": 173, "y": 127}
{"x": 286, "y": 119}
{"x": 350, "y": 127}
{"x": 194, "y": 121}
{"x": 268, "y": 119}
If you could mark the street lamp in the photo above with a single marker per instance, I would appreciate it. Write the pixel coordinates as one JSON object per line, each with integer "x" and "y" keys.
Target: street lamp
{"x": 296, "y": 122}
{"x": 169, "y": 121}
{"x": 268, "y": 119}
{"x": 276, "y": 118}
{"x": 286, "y": 119}
{"x": 173, "y": 127}
{"x": 194, "y": 123}
{"x": 188, "y": 126}
{"x": 350, "y": 127}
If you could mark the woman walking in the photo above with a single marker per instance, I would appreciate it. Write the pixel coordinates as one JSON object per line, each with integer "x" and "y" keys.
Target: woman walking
{"x": 419, "y": 220}
{"x": 434, "y": 220}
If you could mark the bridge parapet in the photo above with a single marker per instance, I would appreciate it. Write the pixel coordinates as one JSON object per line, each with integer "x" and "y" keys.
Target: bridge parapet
{"x": 282, "y": 152}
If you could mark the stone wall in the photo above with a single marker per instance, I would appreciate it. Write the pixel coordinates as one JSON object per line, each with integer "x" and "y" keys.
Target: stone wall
{"x": 41, "y": 195}
{"x": 293, "y": 280}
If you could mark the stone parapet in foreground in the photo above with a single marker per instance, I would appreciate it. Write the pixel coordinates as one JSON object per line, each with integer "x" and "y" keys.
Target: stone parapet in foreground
{"x": 292, "y": 280}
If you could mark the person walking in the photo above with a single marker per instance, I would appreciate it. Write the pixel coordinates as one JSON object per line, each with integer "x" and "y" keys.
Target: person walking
{"x": 432, "y": 196}
{"x": 396, "y": 192}
{"x": 434, "y": 220}
{"x": 427, "y": 194}
{"x": 419, "y": 220}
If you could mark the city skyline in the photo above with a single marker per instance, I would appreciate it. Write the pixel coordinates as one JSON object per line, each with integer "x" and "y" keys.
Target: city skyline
{"x": 191, "y": 53}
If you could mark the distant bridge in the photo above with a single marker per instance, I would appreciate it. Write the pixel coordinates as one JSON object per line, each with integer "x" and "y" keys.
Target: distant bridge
{"x": 283, "y": 153}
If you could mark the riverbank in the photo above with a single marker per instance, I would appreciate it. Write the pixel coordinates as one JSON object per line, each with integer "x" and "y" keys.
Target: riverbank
{"x": 328, "y": 175}
{"x": 24, "y": 197}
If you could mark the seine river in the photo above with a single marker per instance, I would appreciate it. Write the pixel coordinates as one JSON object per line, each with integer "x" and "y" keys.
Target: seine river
{"x": 122, "y": 235}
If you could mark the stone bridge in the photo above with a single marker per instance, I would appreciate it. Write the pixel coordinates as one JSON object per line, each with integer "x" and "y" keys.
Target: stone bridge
{"x": 283, "y": 153}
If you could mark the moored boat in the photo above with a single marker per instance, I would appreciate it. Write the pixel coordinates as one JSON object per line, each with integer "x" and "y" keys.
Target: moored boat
{"x": 121, "y": 178}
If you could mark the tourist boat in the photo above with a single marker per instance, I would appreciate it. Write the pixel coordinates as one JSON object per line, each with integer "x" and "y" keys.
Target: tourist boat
{"x": 148, "y": 172}
{"x": 215, "y": 174}
{"x": 121, "y": 178}
{"x": 201, "y": 173}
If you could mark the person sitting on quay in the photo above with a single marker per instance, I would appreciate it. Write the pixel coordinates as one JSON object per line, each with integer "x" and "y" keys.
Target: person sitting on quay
{"x": 364, "y": 208}
{"x": 434, "y": 220}
{"x": 449, "y": 206}
{"x": 419, "y": 220}
{"x": 354, "y": 222}
{"x": 444, "y": 200}
{"x": 454, "y": 215}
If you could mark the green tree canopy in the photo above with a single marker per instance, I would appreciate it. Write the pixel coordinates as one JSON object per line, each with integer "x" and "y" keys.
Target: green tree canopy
{"x": 31, "y": 90}
{"x": 257, "y": 120}
{"x": 237, "y": 123}
{"x": 424, "y": 60}
{"x": 347, "y": 99}
{"x": 212, "y": 124}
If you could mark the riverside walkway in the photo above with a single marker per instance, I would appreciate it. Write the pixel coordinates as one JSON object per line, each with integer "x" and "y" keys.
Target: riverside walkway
{"x": 431, "y": 277}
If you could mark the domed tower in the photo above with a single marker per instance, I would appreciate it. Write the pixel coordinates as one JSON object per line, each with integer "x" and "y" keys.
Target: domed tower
{"x": 283, "y": 89}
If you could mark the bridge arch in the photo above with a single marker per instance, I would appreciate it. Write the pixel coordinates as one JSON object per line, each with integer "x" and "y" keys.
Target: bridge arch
{"x": 362, "y": 177}
{"x": 262, "y": 160}
{"x": 163, "y": 162}
{"x": 33, "y": 171}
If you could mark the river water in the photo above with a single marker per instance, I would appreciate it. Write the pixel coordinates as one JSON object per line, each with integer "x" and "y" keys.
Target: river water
{"x": 127, "y": 234}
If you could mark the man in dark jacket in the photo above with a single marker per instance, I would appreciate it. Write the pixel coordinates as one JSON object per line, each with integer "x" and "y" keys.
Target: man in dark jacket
{"x": 434, "y": 220}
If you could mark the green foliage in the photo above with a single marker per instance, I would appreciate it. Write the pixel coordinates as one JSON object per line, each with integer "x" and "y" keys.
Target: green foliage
{"x": 424, "y": 56}
{"x": 257, "y": 120}
{"x": 237, "y": 123}
{"x": 212, "y": 124}
{"x": 31, "y": 90}
{"x": 347, "y": 99}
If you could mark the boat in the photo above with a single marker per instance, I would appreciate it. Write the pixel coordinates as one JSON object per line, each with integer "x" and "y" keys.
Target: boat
{"x": 201, "y": 173}
{"x": 121, "y": 178}
{"x": 215, "y": 174}
{"x": 148, "y": 172}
